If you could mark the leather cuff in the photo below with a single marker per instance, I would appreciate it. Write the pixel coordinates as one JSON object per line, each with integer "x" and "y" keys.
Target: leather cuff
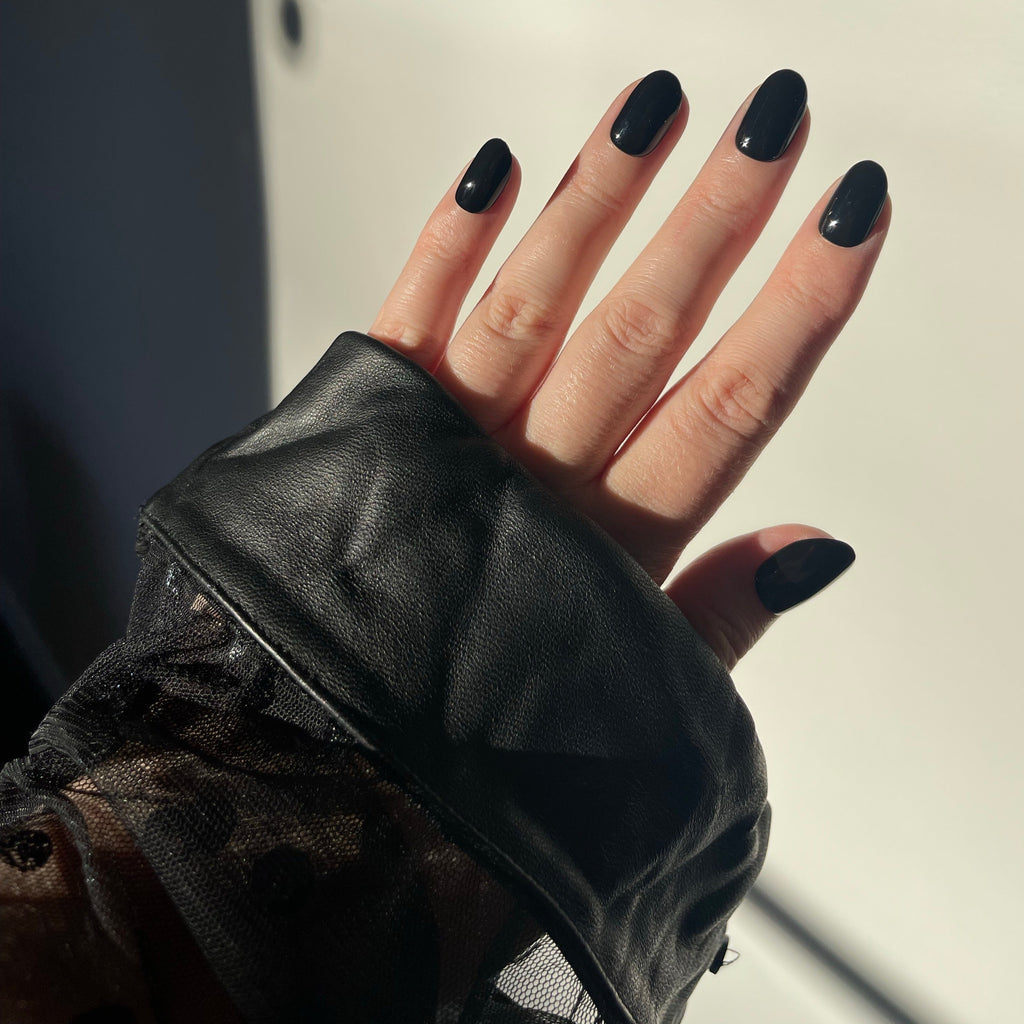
{"x": 512, "y": 665}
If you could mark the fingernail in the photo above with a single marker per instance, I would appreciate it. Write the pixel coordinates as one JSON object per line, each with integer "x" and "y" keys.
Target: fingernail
{"x": 486, "y": 177}
{"x": 854, "y": 207}
{"x": 800, "y": 570}
{"x": 773, "y": 116}
{"x": 647, "y": 114}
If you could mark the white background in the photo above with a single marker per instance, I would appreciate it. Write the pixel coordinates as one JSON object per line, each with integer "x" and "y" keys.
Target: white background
{"x": 890, "y": 706}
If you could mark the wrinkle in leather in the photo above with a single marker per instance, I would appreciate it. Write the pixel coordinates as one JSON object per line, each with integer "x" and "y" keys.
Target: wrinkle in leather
{"x": 514, "y": 668}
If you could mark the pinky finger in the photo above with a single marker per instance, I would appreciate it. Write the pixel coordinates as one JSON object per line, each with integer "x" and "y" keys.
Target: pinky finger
{"x": 735, "y": 591}
{"x": 418, "y": 316}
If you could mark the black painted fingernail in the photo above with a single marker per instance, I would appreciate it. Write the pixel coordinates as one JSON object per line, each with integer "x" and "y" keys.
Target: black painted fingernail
{"x": 773, "y": 116}
{"x": 647, "y": 114}
{"x": 800, "y": 570}
{"x": 486, "y": 177}
{"x": 855, "y": 205}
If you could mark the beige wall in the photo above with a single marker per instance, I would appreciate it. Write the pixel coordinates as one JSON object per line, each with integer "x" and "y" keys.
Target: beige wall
{"x": 890, "y": 707}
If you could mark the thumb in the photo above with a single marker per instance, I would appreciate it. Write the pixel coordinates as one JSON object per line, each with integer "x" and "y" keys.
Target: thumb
{"x": 733, "y": 593}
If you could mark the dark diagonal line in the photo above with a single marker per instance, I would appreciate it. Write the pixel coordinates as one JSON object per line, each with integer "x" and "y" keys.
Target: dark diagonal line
{"x": 830, "y": 959}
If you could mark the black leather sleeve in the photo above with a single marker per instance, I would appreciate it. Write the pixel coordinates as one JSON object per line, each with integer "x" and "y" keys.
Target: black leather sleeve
{"x": 433, "y": 746}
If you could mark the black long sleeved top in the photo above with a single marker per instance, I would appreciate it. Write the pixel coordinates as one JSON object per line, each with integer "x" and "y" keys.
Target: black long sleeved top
{"x": 394, "y": 734}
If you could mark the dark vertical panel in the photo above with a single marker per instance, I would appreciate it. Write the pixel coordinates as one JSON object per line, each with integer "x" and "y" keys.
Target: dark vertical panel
{"x": 133, "y": 322}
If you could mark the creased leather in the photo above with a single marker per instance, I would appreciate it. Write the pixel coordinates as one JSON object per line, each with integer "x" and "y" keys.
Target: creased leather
{"x": 515, "y": 667}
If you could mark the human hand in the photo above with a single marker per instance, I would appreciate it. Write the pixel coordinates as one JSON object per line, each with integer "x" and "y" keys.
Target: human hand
{"x": 564, "y": 408}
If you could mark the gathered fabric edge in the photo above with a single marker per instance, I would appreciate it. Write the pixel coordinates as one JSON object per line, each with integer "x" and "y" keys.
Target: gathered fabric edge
{"x": 575, "y": 948}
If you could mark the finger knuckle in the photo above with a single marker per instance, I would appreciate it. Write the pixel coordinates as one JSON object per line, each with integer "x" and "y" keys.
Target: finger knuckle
{"x": 402, "y": 335}
{"x": 591, "y": 190}
{"x": 818, "y": 296}
{"x": 734, "y": 402}
{"x": 518, "y": 319}
{"x": 725, "y": 206}
{"x": 443, "y": 244}
{"x": 638, "y": 330}
{"x": 726, "y": 637}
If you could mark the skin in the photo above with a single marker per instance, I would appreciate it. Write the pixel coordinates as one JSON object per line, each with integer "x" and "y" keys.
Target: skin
{"x": 563, "y": 406}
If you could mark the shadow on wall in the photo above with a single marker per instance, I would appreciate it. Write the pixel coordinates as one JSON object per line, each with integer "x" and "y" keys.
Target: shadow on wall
{"x": 133, "y": 319}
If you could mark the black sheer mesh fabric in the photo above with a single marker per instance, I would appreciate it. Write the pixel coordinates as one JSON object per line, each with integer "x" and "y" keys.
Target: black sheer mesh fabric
{"x": 186, "y": 790}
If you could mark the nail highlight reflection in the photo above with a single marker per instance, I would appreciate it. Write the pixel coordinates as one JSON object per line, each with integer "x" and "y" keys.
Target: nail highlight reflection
{"x": 855, "y": 205}
{"x": 647, "y": 113}
{"x": 800, "y": 570}
{"x": 773, "y": 116}
{"x": 485, "y": 178}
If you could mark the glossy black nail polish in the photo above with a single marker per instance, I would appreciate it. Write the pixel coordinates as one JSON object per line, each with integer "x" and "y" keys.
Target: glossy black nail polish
{"x": 485, "y": 178}
{"x": 800, "y": 570}
{"x": 855, "y": 205}
{"x": 773, "y": 116}
{"x": 647, "y": 114}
